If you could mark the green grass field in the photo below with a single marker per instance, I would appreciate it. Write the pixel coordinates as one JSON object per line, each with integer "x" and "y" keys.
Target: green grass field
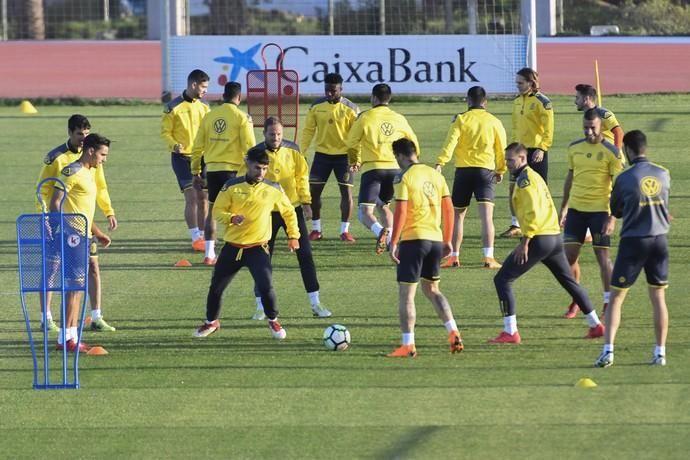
{"x": 239, "y": 394}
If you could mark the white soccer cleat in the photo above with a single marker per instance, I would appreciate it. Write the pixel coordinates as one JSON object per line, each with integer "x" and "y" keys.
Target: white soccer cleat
{"x": 658, "y": 360}
{"x": 259, "y": 315}
{"x": 320, "y": 312}
{"x": 605, "y": 359}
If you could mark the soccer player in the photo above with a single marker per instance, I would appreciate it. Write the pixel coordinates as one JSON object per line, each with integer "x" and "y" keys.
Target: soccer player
{"x": 288, "y": 167}
{"x": 244, "y": 205}
{"x": 422, "y": 202}
{"x": 328, "y": 121}
{"x": 532, "y": 126}
{"x": 640, "y": 196}
{"x": 78, "y": 127}
{"x": 80, "y": 188}
{"x": 540, "y": 242}
{"x": 592, "y": 163}
{"x": 369, "y": 149}
{"x": 586, "y": 99}
{"x": 181, "y": 120}
{"x": 225, "y": 135}
{"x": 477, "y": 140}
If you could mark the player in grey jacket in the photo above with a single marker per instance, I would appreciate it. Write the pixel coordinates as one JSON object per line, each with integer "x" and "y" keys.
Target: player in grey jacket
{"x": 640, "y": 196}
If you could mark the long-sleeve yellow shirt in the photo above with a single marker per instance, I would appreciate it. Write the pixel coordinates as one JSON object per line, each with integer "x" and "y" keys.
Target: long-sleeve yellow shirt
{"x": 289, "y": 168}
{"x": 370, "y": 140}
{"x": 53, "y": 164}
{"x": 532, "y": 121}
{"x": 225, "y": 136}
{"x": 476, "y": 139}
{"x": 180, "y": 122}
{"x": 329, "y": 124}
{"x": 254, "y": 202}
{"x": 534, "y": 206}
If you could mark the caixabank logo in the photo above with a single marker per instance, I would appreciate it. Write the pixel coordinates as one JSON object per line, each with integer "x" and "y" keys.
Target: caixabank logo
{"x": 394, "y": 65}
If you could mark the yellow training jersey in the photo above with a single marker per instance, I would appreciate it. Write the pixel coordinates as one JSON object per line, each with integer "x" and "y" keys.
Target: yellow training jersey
{"x": 608, "y": 122}
{"x": 53, "y": 163}
{"x": 80, "y": 190}
{"x": 423, "y": 188}
{"x": 476, "y": 139}
{"x": 329, "y": 123}
{"x": 254, "y": 202}
{"x": 225, "y": 135}
{"x": 532, "y": 121}
{"x": 593, "y": 167}
{"x": 288, "y": 167}
{"x": 370, "y": 140}
{"x": 181, "y": 120}
{"x": 534, "y": 206}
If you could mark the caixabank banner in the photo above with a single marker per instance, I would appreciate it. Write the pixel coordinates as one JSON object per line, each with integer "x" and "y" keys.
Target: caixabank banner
{"x": 411, "y": 64}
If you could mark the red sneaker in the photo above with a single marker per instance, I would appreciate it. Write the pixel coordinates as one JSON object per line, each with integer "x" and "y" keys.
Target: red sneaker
{"x": 572, "y": 310}
{"x": 72, "y": 346}
{"x": 347, "y": 237}
{"x": 207, "y": 329}
{"x": 504, "y": 337}
{"x": 209, "y": 261}
{"x": 595, "y": 332}
{"x": 276, "y": 329}
{"x": 315, "y": 235}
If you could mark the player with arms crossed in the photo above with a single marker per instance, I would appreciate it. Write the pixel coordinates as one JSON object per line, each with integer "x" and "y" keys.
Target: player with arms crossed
{"x": 288, "y": 167}
{"x": 78, "y": 127}
{"x": 81, "y": 190}
{"x": 640, "y": 197}
{"x": 532, "y": 126}
{"x": 477, "y": 139}
{"x": 181, "y": 120}
{"x": 369, "y": 148}
{"x": 540, "y": 242}
{"x": 422, "y": 202}
{"x": 225, "y": 135}
{"x": 244, "y": 205}
{"x": 328, "y": 121}
{"x": 592, "y": 163}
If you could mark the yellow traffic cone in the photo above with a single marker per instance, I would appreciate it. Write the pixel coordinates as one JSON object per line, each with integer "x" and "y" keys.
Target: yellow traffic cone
{"x": 585, "y": 383}
{"x": 27, "y": 107}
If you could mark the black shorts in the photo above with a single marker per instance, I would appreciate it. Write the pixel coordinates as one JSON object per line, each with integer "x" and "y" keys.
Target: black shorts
{"x": 634, "y": 254}
{"x": 323, "y": 165}
{"x": 215, "y": 181}
{"x": 577, "y": 223}
{"x": 473, "y": 181}
{"x": 182, "y": 166}
{"x": 419, "y": 259}
{"x": 377, "y": 184}
{"x": 541, "y": 168}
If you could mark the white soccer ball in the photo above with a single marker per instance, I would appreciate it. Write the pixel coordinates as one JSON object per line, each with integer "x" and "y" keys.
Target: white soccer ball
{"x": 336, "y": 337}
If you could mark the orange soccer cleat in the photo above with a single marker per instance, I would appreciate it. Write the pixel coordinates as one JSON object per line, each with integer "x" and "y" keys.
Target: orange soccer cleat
{"x": 451, "y": 262}
{"x": 455, "y": 342}
{"x": 403, "y": 351}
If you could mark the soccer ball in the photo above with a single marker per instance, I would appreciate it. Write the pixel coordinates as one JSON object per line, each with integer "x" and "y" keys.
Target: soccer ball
{"x": 336, "y": 337}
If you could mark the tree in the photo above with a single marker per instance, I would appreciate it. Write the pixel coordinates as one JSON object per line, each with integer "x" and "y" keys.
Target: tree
{"x": 36, "y": 25}
{"x": 228, "y": 17}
